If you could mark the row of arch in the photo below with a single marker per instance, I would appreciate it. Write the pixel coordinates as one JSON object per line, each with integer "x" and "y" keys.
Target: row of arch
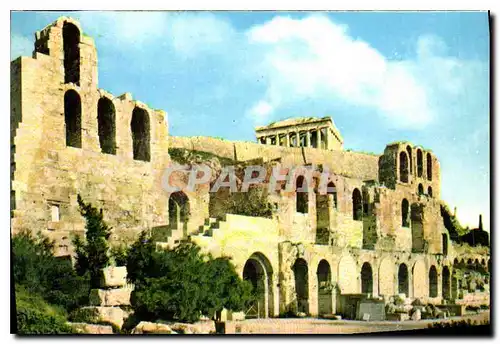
{"x": 406, "y": 165}
{"x": 106, "y": 121}
{"x": 259, "y": 272}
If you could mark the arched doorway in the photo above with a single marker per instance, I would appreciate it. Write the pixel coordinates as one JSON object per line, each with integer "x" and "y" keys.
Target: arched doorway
{"x": 302, "y": 195}
{"x": 71, "y": 47}
{"x": 258, "y": 271}
{"x": 366, "y": 279}
{"x": 446, "y": 283}
{"x": 405, "y": 213}
{"x": 324, "y": 288}
{"x": 357, "y": 205}
{"x": 300, "y": 272}
{"x": 106, "y": 125}
{"x": 140, "y": 134}
{"x": 417, "y": 228}
{"x": 178, "y": 210}
{"x": 420, "y": 163}
{"x": 433, "y": 282}
{"x": 73, "y": 119}
{"x": 403, "y": 167}
{"x": 403, "y": 282}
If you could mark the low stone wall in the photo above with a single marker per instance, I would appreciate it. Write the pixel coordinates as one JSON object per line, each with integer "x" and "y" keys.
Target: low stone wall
{"x": 474, "y": 299}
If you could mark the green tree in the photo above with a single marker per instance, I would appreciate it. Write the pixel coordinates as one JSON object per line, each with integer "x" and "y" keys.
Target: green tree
{"x": 92, "y": 254}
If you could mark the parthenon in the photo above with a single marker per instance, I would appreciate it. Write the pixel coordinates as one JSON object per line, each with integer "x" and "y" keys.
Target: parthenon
{"x": 301, "y": 132}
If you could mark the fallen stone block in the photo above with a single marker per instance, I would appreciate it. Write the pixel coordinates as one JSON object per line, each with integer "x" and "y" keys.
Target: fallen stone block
{"x": 114, "y": 276}
{"x": 200, "y": 327}
{"x": 111, "y": 297}
{"x": 113, "y": 315}
{"x": 417, "y": 315}
{"x": 91, "y": 328}
{"x": 146, "y": 327}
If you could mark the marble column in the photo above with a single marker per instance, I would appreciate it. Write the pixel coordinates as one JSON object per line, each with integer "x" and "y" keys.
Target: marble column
{"x": 308, "y": 138}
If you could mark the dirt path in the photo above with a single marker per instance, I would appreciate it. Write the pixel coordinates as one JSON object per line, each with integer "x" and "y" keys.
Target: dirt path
{"x": 323, "y": 326}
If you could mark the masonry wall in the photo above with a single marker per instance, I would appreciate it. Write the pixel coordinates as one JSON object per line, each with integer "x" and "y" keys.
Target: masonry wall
{"x": 49, "y": 173}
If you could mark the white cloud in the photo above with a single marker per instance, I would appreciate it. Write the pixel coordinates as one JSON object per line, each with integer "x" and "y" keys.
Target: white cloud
{"x": 261, "y": 111}
{"x": 305, "y": 58}
{"x": 21, "y": 46}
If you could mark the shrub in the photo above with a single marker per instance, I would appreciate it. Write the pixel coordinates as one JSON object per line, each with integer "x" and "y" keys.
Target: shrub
{"x": 182, "y": 284}
{"x": 35, "y": 316}
{"x": 92, "y": 255}
{"x": 38, "y": 271}
{"x": 119, "y": 255}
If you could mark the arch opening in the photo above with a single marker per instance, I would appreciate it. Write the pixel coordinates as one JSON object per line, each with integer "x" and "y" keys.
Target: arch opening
{"x": 357, "y": 206}
{"x": 73, "y": 119}
{"x": 106, "y": 122}
{"x": 420, "y": 163}
{"x": 71, "y": 47}
{"x": 258, "y": 271}
{"x": 433, "y": 282}
{"x": 405, "y": 213}
{"x": 302, "y": 195}
{"x": 445, "y": 244}
{"x": 417, "y": 228}
{"x": 324, "y": 288}
{"x": 429, "y": 166}
{"x": 429, "y": 191}
{"x": 403, "y": 167}
{"x": 366, "y": 279}
{"x": 300, "y": 272}
{"x": 403, "y": 282}
{"x": 140, "y": 134}
{"x": 446, "y": 283}
{"x": 178, "y": 210}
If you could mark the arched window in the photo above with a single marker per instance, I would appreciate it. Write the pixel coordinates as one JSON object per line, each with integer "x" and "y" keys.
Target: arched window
{"x": 429, "y": 191}
{"x": 405, "y": 212}
{"x": 71, "y": 41}
{"x": 433, "y": 282}
{"x": 73, "y": 119}
{"x": 403, "y": 167}
{"x": 366, "y": 279}
{"x": 410, "y": 158}
{"x": 302, "y": 196}
{"x": 140, "y": 134}
{"x": 446, "y": 283}
{"x": 357, "y": 206}
{"x": 420, "y": 189}
{"x": 178, "y": 209}
{"x": 420, "y": 163}
{"x": 324, "y": 277}
{"x": 300, "y": 272}
{"x": 429, "y": 166}
{"x": 107, "y": 125}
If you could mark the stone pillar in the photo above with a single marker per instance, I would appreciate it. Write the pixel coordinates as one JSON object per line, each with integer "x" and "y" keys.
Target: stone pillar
{"x": 308, "y": 138}
{"x": 268, "y": 140}
{"x": 327, "y": 132}
{"x": 277, "y": 143}
{"x": 297, "y": 138}
{"x": 287, "y": 140}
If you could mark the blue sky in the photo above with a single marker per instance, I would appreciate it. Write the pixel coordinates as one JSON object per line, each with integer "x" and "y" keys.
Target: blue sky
{"x": 382, "y": 77}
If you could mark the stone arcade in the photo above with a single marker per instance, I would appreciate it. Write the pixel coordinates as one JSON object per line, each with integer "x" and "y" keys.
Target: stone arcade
{"x": 380, "y": 233}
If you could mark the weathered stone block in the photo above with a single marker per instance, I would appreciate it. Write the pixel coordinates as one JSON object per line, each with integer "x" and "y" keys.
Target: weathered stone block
{"x": 113, "y": 315}
{"x": 91, "y": 328}
{"x": 114, "y": 276}
{"x": 111, "y": 297}
{"x": 200, "y": 327}
{"x": 417, "y": 315}
{"x": 145, "y": 327}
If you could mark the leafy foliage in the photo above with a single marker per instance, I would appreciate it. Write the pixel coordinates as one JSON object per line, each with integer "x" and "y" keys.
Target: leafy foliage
{"x": 35, "y": 316}
{"x": 119, "y": 255}
{"x": 182, "y": 284}
{"x": 92, "y": 255}
{"x": 38, "y": 271}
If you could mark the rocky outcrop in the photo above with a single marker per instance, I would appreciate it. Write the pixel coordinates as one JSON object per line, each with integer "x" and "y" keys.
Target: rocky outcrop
{"x": 145, "y": 327}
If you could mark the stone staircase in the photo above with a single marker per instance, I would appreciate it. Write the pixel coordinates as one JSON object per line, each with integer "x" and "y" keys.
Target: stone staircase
{"x": 174, "y": 236}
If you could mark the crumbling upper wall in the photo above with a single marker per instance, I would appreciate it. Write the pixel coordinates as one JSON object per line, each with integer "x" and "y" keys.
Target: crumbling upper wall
{"x": 350, "y": 164}
{"x": 50, "y": 170}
